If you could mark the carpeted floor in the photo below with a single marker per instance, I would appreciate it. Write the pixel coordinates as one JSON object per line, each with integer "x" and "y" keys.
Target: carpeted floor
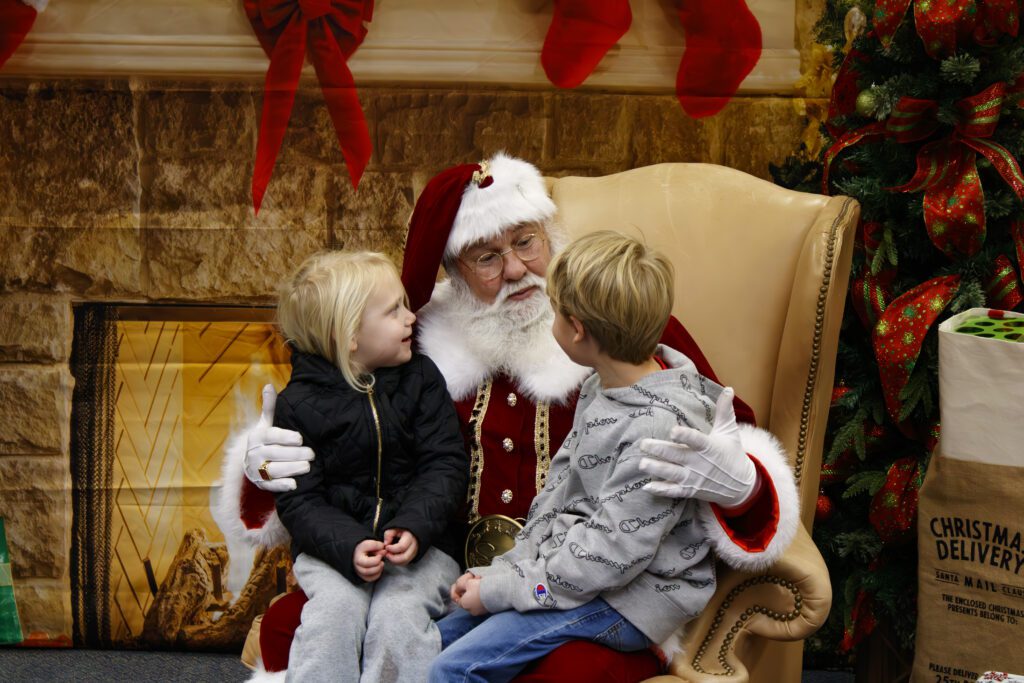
{"x": 17, "y": 665}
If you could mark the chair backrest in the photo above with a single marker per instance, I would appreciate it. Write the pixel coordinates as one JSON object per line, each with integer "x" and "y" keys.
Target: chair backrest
{"x": 761, "y": 280}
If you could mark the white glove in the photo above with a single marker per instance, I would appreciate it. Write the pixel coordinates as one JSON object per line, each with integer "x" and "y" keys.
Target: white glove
{"x": 712, "y": 467}
{"x": 278, "y": 451}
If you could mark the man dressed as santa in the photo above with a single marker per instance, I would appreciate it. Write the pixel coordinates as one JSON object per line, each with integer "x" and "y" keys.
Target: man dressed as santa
{"x": 487, "y": 326}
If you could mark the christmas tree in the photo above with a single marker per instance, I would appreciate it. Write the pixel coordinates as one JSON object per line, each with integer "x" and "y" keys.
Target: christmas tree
{"x": 924, "y": 129}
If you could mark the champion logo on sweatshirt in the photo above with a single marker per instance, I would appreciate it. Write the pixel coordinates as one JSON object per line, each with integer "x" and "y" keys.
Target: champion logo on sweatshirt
{"x": 542, "y": 596}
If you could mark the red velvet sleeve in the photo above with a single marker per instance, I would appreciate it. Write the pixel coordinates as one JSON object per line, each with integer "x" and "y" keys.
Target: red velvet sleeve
{"x": 676, "y": 336}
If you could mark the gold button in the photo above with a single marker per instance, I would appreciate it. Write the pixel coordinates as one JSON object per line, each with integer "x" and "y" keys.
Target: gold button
{"x": 507, "y": 445}
{"x": 512, "y": 400}
{"x": 506, "y": 496}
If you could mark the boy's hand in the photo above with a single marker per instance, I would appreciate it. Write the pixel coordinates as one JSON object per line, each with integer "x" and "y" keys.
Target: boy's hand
{"x": 400, "y": 545}
{"x": 369, "y": 560}
{"x": 459, "y": 587}
{"x": 470, "y": 600}
{"x": 712, "y": 467}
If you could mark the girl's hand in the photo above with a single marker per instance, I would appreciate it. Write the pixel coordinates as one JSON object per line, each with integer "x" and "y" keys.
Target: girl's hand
{"x": 400, "y": 545}
{"x": 368, "y": 559}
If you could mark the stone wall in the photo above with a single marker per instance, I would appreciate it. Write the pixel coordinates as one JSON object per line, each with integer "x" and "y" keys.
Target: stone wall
{"x": 131, "y": 191}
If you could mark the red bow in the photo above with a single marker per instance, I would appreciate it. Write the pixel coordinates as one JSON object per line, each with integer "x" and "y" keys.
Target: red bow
{"x": 946, "y": 170}
{"x": 329, "y": 31}
{"x": 954, "y": 202}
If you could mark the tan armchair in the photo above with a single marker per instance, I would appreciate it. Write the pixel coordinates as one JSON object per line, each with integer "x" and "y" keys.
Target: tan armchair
{"x": 761, "y": 279}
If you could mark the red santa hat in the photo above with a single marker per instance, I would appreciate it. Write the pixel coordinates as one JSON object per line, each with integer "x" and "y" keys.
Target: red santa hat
{"x": 465, "y": 205}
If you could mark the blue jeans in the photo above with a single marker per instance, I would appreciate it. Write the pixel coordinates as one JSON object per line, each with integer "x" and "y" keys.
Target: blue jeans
{"x": 496, "y": 647}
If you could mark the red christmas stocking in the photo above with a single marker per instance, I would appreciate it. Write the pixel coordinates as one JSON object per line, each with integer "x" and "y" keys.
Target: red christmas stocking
{"x": 581, "y": 33}
{"x": 16, "y": 19}
{"x": 723, "y": 43}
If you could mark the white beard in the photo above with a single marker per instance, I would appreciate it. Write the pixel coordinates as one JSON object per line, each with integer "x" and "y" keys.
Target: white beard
{"x": 502, "y": 328}
{"x": 471, "y": 341}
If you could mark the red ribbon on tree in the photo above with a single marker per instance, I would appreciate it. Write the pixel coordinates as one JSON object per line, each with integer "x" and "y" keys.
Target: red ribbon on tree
{"x": 941, "y": 23}
{"x": 1017, "y": 234}
{"x": 893, "y": 509}
{"x": 329, "y": 31}
{"x": 870, "y": 293}
{"x": 1002, "y": 288}
{"x": 901, "y": 330}
{"x": 954, "y": 201}
{"x": 843, "y": 100}
{"x": 861, "y": 623}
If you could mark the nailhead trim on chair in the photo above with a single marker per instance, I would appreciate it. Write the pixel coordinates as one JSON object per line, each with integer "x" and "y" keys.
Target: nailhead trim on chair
{"x": 819, "y": 318}
{"x": 730, "y": 637}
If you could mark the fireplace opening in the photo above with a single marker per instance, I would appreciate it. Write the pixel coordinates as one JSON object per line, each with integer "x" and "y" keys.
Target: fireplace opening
{"x": 158, "y": 392}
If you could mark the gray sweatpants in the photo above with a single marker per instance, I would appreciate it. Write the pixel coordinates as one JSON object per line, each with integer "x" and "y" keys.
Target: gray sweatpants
{"x": 380, "y": 632}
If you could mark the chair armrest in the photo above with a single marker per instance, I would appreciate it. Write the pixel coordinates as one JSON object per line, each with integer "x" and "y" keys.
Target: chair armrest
{"x": 789, "y": 601}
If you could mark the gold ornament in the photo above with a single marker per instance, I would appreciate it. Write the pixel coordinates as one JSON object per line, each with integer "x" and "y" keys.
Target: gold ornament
{"x": 867, "y": 104}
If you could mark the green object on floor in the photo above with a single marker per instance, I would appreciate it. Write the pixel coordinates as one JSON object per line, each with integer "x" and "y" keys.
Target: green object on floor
{"x": 992, "y": 327}
{"x": 10, "y": 625}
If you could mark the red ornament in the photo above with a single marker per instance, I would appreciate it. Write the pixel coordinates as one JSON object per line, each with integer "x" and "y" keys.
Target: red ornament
{"x": 824, "y": 508}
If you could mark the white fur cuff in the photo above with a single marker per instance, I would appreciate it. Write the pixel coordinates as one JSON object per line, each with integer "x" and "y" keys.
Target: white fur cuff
{"x": 227, "y": 508}
{"x": 772, "y": 456}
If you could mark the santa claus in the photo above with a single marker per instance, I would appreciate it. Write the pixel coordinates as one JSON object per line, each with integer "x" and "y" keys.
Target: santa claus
{"x": 487, "y": 326}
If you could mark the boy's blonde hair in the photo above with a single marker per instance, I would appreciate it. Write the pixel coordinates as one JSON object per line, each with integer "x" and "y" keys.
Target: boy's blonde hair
{"x": 320, "y": 307}
{"x": 618, "y": 288}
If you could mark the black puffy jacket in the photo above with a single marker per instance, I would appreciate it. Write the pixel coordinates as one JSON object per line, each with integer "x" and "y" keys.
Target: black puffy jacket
{"x": 393, "y": 458}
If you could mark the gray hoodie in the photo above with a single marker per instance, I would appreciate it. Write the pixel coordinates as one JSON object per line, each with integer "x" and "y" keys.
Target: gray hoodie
{"x": 595, "y": 532}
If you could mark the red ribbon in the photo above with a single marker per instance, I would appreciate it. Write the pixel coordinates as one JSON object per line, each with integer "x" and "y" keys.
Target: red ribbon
{"x": 870, "y": 292}
{"x": 954, "y": 201}
{"x": 1017, "y": 234}
{"x": 861, "y": 623}
{"x": 893, "y": 510}
{"x": 941, "y": 23}
{"x": 329, "y": 31}
{"x": 843, "y": 100}
{"x": 1002, "y": 288}
{"x": 901, "y": 330}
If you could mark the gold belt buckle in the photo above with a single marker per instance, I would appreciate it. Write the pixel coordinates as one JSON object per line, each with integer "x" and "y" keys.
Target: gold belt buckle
{"x": 489, "y": 537}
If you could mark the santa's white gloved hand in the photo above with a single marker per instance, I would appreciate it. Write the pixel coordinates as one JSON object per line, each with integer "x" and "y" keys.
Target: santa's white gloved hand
{"x": 281, "y": 449}
{"x": 713, "y": 467}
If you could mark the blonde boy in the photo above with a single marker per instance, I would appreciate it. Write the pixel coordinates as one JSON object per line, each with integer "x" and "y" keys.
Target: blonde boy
{"x": 603, "y": 556}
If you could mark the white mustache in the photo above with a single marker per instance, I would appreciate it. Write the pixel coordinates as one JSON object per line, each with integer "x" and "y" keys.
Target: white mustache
{"x": 525, "y": 282}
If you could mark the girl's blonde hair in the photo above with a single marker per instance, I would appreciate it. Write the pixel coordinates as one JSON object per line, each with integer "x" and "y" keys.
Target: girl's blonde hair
{"x": 320, "y": 307}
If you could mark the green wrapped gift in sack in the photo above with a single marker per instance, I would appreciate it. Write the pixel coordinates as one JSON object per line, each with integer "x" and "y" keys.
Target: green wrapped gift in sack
{"x": 10, "y": 625}
{"x": 993, "y": 325}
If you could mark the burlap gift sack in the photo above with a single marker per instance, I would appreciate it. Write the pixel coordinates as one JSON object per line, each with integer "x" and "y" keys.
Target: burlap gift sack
{"x": 971, "y": 515}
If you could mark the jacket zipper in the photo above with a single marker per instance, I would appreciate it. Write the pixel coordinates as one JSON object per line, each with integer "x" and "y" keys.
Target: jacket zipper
{"x": 376, "y": 423}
